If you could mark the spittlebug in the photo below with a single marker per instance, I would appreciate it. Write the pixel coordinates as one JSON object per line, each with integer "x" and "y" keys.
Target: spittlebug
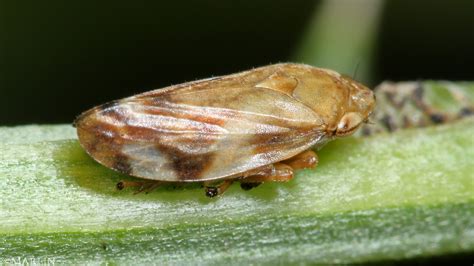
{"x": 252, "y": 127}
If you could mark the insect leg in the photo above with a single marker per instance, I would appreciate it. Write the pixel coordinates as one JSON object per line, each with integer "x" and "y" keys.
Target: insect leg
{"x": 144, "y": 186}
{"x": 125, "y": 184}
{"x": 306, "y": 159}
{"x": 281, "y": 173}
{"x": 148, "y": 187}
{"x": 212, "y": 191}
{"x": 249, "y": 186}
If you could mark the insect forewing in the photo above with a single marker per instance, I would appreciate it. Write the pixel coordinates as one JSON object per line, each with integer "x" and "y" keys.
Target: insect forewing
{"x": 202, "y": 130}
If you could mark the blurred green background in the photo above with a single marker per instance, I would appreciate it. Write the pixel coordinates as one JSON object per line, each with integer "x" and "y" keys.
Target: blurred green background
{"x": 58, "y": 58}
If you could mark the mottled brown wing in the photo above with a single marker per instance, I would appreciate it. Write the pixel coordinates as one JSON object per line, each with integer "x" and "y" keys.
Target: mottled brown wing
{"x": 202, "y": 130}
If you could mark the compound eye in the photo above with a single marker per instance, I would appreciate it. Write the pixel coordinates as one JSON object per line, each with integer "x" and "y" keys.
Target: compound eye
{"x": 348, "y": 124}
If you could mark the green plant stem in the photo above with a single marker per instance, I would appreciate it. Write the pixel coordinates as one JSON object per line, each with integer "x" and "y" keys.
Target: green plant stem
{"x": 389, "y": 196}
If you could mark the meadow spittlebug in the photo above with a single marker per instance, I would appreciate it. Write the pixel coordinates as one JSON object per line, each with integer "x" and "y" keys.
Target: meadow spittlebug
{"x": 252, "y": 127}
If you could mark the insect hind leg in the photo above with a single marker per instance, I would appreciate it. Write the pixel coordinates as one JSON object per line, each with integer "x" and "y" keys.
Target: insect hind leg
{"x": 280, "y": 172}
{"x": 143, "y": 186}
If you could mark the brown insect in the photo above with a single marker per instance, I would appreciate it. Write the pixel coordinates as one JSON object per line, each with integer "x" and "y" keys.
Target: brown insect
{"x": 252, "y": 127}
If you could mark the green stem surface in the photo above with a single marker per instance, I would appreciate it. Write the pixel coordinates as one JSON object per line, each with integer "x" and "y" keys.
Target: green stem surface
{"x": 388, "y": 196}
